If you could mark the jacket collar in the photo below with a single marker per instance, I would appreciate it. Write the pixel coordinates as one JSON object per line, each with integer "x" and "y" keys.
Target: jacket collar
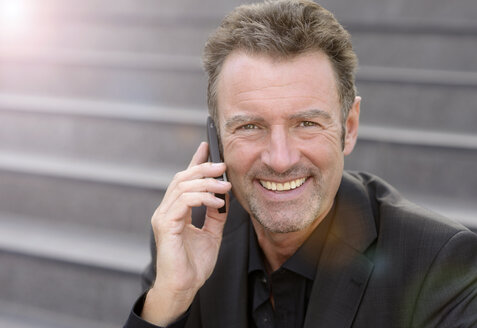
{"x": 344, "y": 269}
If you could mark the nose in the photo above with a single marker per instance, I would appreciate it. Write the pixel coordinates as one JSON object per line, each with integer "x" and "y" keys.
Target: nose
{"x": 280, "y": 154}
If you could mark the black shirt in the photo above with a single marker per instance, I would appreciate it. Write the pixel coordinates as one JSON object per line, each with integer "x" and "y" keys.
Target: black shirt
{"x": 290, "y": 285}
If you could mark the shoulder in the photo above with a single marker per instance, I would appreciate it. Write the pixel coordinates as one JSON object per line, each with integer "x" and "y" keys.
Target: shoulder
{"x": 408, "y": 234}
{"x": 394, "y": 212}
{"x": 431, "y": 258}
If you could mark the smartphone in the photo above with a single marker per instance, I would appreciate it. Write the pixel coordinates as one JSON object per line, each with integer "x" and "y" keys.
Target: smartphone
{"x": 214, "y": 154}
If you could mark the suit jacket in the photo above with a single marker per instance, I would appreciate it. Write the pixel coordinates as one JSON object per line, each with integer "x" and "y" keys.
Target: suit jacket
{"x": 386, "y": 263}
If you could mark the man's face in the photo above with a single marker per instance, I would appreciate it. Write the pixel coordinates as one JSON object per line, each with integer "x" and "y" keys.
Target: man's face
{"x": 280, "y": 124}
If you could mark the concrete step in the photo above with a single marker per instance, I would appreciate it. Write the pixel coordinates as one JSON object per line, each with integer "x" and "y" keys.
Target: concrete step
{"x": 154, "y": 12}
{"x": 120, "y": 77}
{"x": 173, "y": 37}
{"x": 419, "y": 99}
{"x": 73, "y": 243}
{"x": 123, "y": 134}
{"x": 420, "y": 162}
{"x": 69, "y": 269}
{"x": 390, "y": 46}
{"x": 23, "y": 316}
{"x": 443, "y": 47}
{"x": 61, "y": 10}
{"x": 93, "y": 196}
{"x": 440, "y": 11}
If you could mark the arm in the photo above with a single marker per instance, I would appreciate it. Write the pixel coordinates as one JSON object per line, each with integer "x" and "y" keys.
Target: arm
{"x": 185, "y": 254}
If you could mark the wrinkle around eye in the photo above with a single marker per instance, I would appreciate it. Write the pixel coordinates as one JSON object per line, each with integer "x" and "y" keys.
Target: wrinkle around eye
{"x": 330, "y": 133}
{"x": 254, "y": 132}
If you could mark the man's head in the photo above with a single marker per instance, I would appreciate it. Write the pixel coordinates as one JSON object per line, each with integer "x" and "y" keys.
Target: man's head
{"x": 281, "y": 91}
{"x": 282, "y": 30}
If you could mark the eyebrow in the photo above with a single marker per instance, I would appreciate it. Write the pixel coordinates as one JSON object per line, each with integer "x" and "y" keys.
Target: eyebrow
{"x": 312, "y": 113}
{"x": 304, "y": 115}
{"x": 242, "y": 119}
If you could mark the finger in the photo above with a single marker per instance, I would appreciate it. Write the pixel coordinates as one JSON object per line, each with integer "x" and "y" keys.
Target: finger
{"x": 215, "y": 221}
{"x": 201, "y": 185}
{"x": 182, "y": 206}
{"x": 201, "y": 154}
{"x": 201, "y": 171}
{"x": 177, "y": 217}
{"x": 181, "y": 183}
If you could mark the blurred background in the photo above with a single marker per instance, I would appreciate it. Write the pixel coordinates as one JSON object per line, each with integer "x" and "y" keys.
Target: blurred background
{"x": 102, "y": 101}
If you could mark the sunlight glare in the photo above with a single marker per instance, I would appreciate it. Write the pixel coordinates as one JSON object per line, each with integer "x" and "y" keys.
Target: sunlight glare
{"x": 13, "y": 16}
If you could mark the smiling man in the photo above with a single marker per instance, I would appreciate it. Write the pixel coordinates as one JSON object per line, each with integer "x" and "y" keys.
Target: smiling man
{"x": 281, "y": 126}
{"x": 303, "y": 243}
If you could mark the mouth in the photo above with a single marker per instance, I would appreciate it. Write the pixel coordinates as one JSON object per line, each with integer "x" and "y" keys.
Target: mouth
{"x": 282, "y": 186}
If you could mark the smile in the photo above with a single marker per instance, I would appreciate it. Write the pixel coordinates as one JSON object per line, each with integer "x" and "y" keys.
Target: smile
{"x": 278, "y": 186}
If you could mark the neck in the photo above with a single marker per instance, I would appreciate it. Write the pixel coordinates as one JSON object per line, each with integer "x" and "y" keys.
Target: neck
{"x": 279, "y": 247}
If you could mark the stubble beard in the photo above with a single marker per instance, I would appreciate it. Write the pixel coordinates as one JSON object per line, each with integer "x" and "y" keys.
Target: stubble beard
{"x": 290, "y": 216}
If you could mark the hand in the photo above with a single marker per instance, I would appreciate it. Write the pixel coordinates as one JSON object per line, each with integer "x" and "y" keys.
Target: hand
{"x": 186, "y": 255}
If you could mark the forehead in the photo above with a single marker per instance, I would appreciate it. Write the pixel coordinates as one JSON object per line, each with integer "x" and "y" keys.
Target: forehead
{"x": 256, "y": 81}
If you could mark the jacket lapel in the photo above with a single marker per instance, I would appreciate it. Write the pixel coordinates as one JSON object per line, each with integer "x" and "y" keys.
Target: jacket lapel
{"x": 223, "y": 298}
{"x": 343, "y": 270}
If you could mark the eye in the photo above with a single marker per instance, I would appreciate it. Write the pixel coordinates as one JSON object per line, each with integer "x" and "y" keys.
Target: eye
{"x": 248, "y": 126}
{"x": 308, "y": 124}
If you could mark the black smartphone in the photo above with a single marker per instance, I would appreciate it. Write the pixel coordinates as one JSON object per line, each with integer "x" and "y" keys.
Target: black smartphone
{"x": 214, "y": 154}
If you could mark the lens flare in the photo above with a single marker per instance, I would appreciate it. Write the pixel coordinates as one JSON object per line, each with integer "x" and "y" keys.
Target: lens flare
{"x": 13, "y": 17}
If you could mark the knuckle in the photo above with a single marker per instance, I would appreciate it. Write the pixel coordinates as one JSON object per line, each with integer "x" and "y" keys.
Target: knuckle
{"x": 183, "y": 197}
{"x": 178, "y": 176}
{"x": 191, "y": 199}
{"x": 210, "y": 197}
{"x": 156, "y": 217}
{"x": 205, "y": 184}
{"x": 180, "y": 187}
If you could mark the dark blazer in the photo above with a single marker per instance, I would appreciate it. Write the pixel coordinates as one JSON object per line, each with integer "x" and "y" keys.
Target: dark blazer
{"x": 386, "y": 263}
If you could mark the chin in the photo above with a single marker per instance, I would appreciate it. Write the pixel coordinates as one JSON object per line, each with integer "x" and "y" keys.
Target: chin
{"x": 277, "y": 221}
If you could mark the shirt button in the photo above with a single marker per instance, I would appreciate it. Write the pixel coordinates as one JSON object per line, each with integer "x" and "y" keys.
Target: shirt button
{"x": 264, "y": 280}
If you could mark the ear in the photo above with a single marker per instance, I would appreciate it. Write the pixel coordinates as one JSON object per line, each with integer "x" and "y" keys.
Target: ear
{"x": 352, "y": 124}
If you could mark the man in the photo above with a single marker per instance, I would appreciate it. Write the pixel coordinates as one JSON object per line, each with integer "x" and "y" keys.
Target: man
{"x": 303, "y": 244}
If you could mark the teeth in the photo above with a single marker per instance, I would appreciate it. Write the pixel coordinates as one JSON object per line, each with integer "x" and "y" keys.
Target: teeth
{"x": 282, "y": 186}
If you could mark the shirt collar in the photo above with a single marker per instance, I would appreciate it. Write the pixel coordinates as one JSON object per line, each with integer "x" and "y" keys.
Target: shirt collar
{"x": 305, "y": 260}
{"x": 255, "y": 258}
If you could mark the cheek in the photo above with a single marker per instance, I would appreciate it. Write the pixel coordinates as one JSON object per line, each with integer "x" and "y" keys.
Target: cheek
{"x": 239, "y": 153}
{"x": 240, "y": 156}
{"x": 324, "y": 155}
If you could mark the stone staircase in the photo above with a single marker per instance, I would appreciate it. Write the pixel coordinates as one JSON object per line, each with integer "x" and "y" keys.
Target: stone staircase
{"x": 101, "y": 102}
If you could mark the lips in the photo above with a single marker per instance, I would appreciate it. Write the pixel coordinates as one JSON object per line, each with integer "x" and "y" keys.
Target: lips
{"x": 282, "y": 186}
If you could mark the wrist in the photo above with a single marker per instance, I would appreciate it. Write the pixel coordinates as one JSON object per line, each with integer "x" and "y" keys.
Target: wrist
{"x": 163, "y": 307}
